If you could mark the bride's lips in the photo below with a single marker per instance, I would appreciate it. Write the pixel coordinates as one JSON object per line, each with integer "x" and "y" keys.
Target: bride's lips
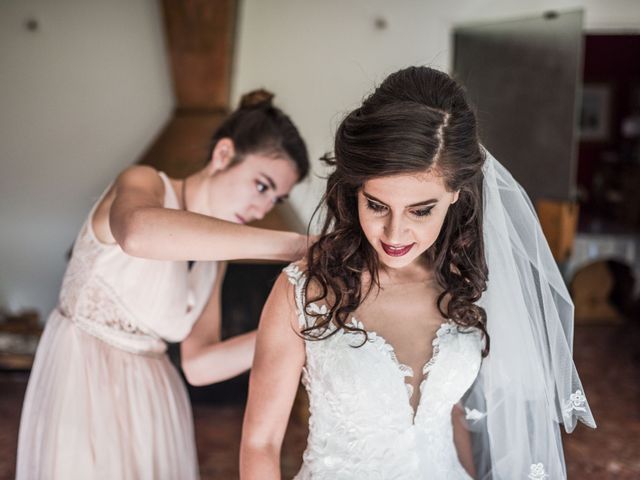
{"x": 240, "y": 219}
{"x": 396, "y": 250}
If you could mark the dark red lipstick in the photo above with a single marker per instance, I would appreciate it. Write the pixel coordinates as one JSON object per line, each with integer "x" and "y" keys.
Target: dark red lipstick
{"x": 396, "y": 251}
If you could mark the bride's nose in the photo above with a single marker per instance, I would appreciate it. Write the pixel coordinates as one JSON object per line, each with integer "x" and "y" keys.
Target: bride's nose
{"x": 394, "y": 228}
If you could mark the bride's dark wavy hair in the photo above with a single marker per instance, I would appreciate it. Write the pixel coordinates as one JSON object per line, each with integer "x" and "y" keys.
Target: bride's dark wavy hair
{"x": 418, "y": 119}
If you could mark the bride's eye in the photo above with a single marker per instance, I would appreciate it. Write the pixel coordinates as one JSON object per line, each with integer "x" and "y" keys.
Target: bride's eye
{"x": 423, "y": 212}
{"x": 376, "y": 207}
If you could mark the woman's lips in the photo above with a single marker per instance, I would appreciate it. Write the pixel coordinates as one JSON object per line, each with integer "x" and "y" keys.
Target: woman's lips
{"x": 396, "y": 250}
{"x": 240, "y": 219}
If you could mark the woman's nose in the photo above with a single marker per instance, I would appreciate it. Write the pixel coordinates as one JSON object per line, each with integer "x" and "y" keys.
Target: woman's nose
{"x": 394, "y": 228}
{"x": 262, "y": 206}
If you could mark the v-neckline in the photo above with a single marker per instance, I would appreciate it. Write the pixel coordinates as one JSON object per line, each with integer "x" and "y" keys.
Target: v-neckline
{"x": 403, "y": 369}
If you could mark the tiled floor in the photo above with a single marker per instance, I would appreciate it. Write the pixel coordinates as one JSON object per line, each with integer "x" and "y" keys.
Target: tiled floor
{"x": 608, "y": 359}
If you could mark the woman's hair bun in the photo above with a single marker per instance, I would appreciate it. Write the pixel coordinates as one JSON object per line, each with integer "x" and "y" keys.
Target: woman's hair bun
{"x": 257, "y": 98}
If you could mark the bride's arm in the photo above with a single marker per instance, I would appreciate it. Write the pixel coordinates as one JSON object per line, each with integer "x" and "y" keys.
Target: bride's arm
{"x": 205, "y": 359}
{"x": 144, "y": 228}
{"x": 462, "y": 439}
{"x": 275, "y": 375}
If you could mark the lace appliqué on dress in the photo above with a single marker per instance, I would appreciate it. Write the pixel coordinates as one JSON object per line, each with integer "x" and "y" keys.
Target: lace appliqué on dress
{"x": 446, "y": 328}
{"x": 297, "y": 279}
{"x": 386, "y": 348}
{"x": 92, "y": 305}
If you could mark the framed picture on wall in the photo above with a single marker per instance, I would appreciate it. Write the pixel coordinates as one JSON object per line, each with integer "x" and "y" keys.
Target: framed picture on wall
{"x": 595, "y": 112}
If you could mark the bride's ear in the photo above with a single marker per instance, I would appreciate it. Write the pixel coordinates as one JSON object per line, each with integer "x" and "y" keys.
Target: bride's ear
{"x": 456, "y": 195}
{"x": 222, "y": 156}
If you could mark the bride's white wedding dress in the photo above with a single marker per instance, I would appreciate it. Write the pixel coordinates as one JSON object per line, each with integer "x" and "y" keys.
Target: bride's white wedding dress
{"x": 362, "y": 424}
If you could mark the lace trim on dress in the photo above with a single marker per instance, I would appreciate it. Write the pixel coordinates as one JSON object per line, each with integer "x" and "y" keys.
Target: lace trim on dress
{"x": 98, "y": 312}
{"x": 297, "y": 278}
{"x": 92, "y": 305}
{"x": 137, "y": 343}
{"x": 445, "y": 328}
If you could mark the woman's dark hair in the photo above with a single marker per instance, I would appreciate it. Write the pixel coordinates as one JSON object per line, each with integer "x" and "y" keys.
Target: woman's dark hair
{"x": 418, "y": 119}
{"x": 256, "y": 126}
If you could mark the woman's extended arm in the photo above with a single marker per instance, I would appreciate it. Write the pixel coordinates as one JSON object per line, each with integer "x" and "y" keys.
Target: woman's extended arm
{"x": 275, "y": 375}
{"x": 142, "y": 227}
{"x": 206, "y": 359}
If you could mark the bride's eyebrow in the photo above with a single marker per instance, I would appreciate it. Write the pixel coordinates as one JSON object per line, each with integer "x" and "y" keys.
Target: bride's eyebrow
{"x": 418, "y": 204}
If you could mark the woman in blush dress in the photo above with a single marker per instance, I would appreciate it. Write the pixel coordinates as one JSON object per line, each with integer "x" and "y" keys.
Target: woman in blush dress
{"x": 429, "y": 250}
{"x": 103, "y": 400}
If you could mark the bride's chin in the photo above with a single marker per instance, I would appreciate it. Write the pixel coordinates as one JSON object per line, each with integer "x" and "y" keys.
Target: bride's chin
{"x": 396, "y": 263}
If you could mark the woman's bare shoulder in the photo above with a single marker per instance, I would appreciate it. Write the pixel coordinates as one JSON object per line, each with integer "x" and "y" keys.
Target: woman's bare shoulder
{"x": 140, "y": 177}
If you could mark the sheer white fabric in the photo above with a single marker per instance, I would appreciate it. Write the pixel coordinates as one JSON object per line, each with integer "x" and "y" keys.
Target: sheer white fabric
{"x": 528, "y": 385}
{"x": 362, "y": 425}
{"x": 103, "y": 399}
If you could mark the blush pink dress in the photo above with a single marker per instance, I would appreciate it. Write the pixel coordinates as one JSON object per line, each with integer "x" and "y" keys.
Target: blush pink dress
{"x": 103, "y": 400}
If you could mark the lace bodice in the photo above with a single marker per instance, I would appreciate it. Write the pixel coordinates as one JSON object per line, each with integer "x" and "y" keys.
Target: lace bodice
{"x": 362, "y": 425}
{"x": 133, "y": 303}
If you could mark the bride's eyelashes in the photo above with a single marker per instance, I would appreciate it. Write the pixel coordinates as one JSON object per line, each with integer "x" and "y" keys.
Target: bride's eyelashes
{"x": 423, "y": 212}
{"x": 382, "y": 209}
{"x": 376, "y": 207}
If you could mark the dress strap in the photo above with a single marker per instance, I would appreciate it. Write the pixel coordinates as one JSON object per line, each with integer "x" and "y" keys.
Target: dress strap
{"x": 170, "y": 196}
{"x": 297, "y": 278}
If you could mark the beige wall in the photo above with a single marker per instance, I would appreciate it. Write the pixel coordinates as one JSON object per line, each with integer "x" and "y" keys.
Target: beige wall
{"x": 322, "y": 57}
{"x": 79, "y": 100}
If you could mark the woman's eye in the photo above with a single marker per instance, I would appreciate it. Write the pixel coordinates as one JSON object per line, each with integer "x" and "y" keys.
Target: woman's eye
{"x": 376, "y": 207}
{"x": 262, "y": 187}
{"x": 424, "y": 212}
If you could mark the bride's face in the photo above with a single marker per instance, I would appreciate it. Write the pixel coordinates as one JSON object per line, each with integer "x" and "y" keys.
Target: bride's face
{"x": 402, "y": 215}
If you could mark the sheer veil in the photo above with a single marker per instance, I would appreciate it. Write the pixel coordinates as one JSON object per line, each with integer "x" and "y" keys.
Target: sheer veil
{"x": 528, "y": 385}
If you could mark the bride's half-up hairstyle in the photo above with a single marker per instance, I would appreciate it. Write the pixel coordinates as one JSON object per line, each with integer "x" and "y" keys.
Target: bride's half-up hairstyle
{"x": 417, "y": 120}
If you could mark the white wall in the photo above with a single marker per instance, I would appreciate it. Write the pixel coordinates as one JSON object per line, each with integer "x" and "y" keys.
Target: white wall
{"x": 80, "y": 99}
{"x": 322, "y": 57}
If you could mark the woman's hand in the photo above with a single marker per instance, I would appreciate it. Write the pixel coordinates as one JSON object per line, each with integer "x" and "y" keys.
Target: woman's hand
{"x": 205, "y": 358}
{"x": 204, "y": 364}
{"x": 301, "y": 247}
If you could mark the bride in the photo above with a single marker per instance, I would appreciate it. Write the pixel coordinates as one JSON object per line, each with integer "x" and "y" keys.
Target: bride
{"x": 429, "y": 323}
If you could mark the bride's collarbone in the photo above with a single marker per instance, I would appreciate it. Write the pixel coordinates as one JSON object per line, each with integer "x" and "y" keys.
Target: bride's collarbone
{"x": 411, "y": 305}
{"x": 411, "y": 324}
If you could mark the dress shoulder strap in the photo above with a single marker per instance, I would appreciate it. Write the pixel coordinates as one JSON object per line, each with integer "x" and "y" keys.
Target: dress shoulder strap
{"x": 170, "y": 196}
{"x": 297, "y": 278}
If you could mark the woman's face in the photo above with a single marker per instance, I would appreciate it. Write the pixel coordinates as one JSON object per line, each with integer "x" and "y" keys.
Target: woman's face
{"x": 402, "y": 215}
{"x": 246, "y": 191}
